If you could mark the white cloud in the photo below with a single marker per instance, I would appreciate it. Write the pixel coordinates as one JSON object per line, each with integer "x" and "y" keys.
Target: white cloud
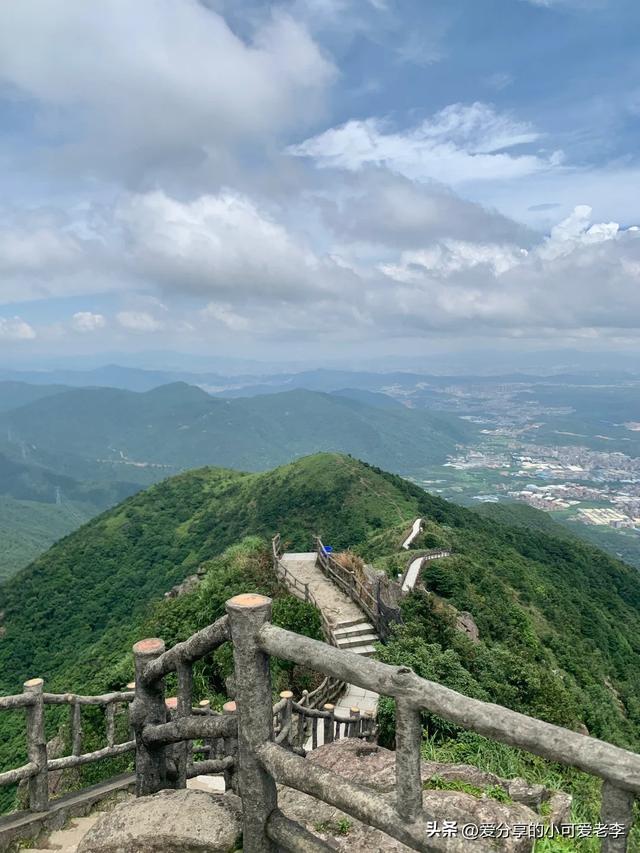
{"x": 135, "y": 87}
{"x": 86, "y": 321}
{"x": 224, "y": 314}
{"x": 459, "y": 144}
{"x": 15, "y": 329}
{"x": 218, "y": 244}
{"x": 139, "y": 321}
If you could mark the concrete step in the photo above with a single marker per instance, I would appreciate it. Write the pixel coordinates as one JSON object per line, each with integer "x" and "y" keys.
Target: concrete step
{"x": 353, "y": 642}
{"x": 364, "y": 650}
{"x": 348, "y": 623}
{"x": 354, "y": 630}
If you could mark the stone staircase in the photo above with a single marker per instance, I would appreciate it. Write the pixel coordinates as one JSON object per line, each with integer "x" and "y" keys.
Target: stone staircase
{"x": 356, "y": 635}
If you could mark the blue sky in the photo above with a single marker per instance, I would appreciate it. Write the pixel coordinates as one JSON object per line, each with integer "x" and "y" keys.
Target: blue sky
{"x": 219, "y": 176}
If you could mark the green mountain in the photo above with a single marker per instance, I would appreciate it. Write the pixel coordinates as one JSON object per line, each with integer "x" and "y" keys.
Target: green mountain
{"x": 559, "y": 620}
{"x": 563, "y": 617}
{"x": 110, "y": 433}
{"x": 15, "y": 394}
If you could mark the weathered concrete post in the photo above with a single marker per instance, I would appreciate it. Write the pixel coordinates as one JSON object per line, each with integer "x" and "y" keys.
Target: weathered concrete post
{"x": 76, "y": 729}
{"x": 185, "y": 700}
{"x": 328, "y": 723}
{"x": 408, "y": 778}
{"x": 148, "y": 709}
{"x": 110, "y": 722}
{"x": 247, "y": 614}
{"x": 37, "y": 747}
{"x": 131, "y": 685}
{"x": 286, "y": 716}
{"x": 230, "y": 747}
{"x": 617, "y": 808}
{"x": 354, "y": 722}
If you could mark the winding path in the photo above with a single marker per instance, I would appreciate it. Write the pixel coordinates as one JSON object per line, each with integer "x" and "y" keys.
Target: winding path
{"x": 350, "y": 628}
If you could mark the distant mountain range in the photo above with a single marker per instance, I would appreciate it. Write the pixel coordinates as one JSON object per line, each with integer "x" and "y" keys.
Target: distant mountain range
{"x": 110, "y": 434}
{"x": 94, "y": 446}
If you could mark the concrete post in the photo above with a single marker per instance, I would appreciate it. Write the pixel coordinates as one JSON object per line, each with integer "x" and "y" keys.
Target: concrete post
{"x": 286, "y": 716}
{"x": 37, "y": 747}
{"x": 230, "y": 747}
{"x": 617, "y": 808}
{"x": 76, "y": 729}
{"x": 185, "y": 700}
{"x": 354, "y": 717}
{"x": 148, "y": 709}
{"x": 328, "y": 723}
{"x": 408, "y": 777}
{"x": 247, "y": 614}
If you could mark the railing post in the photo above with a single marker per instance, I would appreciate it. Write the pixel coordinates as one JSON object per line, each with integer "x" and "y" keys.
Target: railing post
{"x": 131, "y": 685}
{"x": 230, "y": 747}
{"x": 149, "y": 709}
{"x": 247, "y": 614}
{"x": 354, "y": 722}
{"x": 328, "y": 723}
{"x": 617, "y": 808}
{"x": 408, "y": 776}
{"x": 37, "y": 747}
{"x": 185, "y": 699}
{"x": 286, "y": 717}
{"x": 76, "y": 728}
{"x": 110, "y": 723}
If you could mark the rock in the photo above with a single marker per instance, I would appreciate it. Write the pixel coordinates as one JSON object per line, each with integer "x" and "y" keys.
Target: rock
{"x": 522, "y": 792}
{"x": 374, "y": 767}
{"x": 560, "y": 808}
{"x": 467, "y": 625}
{"x": 184, "y": 821}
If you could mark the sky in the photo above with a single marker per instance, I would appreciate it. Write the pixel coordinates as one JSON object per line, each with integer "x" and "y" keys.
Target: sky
{"x": 308, "y": 178}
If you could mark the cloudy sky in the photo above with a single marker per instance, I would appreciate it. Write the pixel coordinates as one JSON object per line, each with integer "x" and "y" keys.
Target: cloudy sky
{"x": 318, "y": 176}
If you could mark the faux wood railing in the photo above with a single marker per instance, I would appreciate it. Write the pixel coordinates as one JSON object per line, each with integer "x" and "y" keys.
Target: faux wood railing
{"x": 383, "y": 617}
{"x": 262, "y": 763}
{"x": 427, "y": 556}
{"x": 33, "y": 701}
{"x": 253, "y": 743}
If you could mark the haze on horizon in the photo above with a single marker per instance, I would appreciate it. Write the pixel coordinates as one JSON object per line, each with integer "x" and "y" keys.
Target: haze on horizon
{"x": 318, "y": 179}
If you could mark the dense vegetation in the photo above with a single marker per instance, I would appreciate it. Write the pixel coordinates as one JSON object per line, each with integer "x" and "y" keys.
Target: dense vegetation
{"x": 110, "y": 433}
{"x": 559, "y": 620}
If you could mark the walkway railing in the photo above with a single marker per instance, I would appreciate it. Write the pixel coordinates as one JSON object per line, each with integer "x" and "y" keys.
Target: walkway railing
{"x": 426, "y": 557}
{"x": 329, "y": 689}
{"x": 254, "y": 743}
{"x": 383, "y": 616}
{"x": 33, "y": 701}
{"x": 264, "y": 763}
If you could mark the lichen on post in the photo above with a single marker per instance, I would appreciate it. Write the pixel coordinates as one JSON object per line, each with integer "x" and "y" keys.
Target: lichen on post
{"x": 247, "y": 615}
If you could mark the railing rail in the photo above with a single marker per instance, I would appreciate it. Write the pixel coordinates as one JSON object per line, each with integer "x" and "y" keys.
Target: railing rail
{"x": 36, "y": 771}
{"x": 262, "y": 762}
{"x": 253, "y": 742}
{"x": 426, "y": 557}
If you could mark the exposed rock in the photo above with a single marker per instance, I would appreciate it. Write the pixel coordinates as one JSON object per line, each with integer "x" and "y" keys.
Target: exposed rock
{"x": 467, "y": 625}
{"x": 373, "y": 766}
{"x": 582, "y": 729}
{"x": 522, "y": 792}
{"x": 560, "y": 808}
{"x": 184, "y": 821}
{"x": 187, "y": 585}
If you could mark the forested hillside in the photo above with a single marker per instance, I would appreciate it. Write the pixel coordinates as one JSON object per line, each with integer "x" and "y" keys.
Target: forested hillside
{"x": 115, "y": 434}
{"x": 563, "y": 616}
{"x": 559, "y": 621}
